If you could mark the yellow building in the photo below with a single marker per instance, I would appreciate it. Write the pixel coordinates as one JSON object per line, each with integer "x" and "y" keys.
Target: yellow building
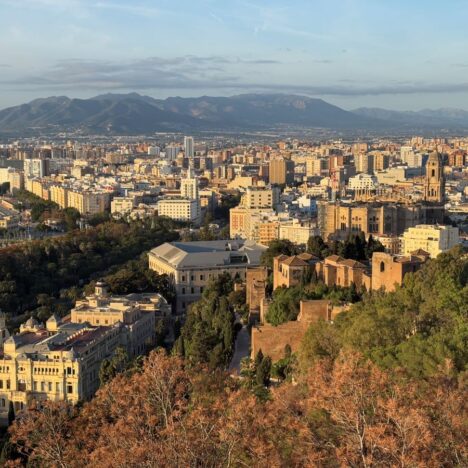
{"x": 281, "y": 171}
{"x": 61, "y": 360}
{"x": 58, "y": 362}
{"x": 433, "y": 239}
{"x": 260, "y": 197}
{"x": 88, "y": 202}
{"x": 59, "y": 195}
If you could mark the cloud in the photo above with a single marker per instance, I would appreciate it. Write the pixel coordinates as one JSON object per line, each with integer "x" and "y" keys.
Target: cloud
{"x": 190, "y": 72}
{"x": 87, "y": 7}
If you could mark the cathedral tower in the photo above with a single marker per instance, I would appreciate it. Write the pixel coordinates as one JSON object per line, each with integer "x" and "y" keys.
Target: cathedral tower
{"x": 434, "y": 185}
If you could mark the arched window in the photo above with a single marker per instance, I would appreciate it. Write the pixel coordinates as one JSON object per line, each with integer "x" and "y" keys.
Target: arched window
{"x": 433, "y": 173}
{"x": 382, "y": 267}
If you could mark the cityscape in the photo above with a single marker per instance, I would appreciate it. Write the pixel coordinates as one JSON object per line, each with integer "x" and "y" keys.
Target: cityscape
{"x": 206, "y": 271}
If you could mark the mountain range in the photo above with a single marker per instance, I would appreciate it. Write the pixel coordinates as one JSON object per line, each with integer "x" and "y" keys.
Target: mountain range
{"x": 136, "y": 114}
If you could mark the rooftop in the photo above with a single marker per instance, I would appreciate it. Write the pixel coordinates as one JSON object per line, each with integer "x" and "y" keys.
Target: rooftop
{"x": 209, "y": 253}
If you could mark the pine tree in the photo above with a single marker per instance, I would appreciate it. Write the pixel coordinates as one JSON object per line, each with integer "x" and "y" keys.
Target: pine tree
{"x": 11, "y": 413}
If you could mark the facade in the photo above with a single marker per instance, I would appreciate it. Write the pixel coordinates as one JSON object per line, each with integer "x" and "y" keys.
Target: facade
{"x": 9, "y": 218}
{"x": 136, "y": 314}
{"x": 180, "y": 209}
{"x": 385, "y": 271}
{"x": 58, "y": 362}
{"x": 337, "y": 271}
{"x": 122, "y": 205}
{"x": 364, "y": 163}
{"x": 59, "y": 195}
{"x": 389, "y": 270}
{"x": 297, "y": 231}
{"x": 433, "y": 239}
{"x": 260, "y": 197}
{"x": 376, "y": 218}
{"x": 88, "y": 202}
{"x": 189, "y": 147}
{"x": 281, "y": 171}
{"x": 192, "y": 265}
{"x": 434, "y": 185}
{"x": 61, "y": 360}
{"x": 290, "y": 271}
{"x": 362, "y": 182}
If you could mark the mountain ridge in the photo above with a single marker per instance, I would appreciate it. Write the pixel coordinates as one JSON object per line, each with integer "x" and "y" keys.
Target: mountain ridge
{"x": 133, "y": 113}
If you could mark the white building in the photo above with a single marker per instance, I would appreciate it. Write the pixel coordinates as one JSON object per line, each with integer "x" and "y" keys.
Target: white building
{"x": 153, "y": 150}
{"x": 122, "y": 205}
{"x": 433, "y": 239}
{"x": 362, "y": 182}
{"x": 180, "y": 209}
{"x": 189, "y": 186}
{"x": 36, "y": 168}
{"x": 192, "y": 265}
{"x": 297, "y": 232}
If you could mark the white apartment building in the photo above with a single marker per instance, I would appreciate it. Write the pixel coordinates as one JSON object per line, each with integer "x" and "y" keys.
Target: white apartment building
{"x": 433, "y": 239}
{"x": 362, "y": 182}
{"x": 180, "y": 209}
{"x": 122, "y": 205}
{"x": 297, "y": 232}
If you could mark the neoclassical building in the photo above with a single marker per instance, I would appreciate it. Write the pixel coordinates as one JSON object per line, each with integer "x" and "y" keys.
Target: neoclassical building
{"x": 60, "y": 360}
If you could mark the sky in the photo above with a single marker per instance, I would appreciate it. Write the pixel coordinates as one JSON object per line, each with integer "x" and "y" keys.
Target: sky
{"x": 396, "y": 54}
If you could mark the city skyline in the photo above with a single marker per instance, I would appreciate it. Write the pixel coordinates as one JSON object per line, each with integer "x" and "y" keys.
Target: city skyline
{"x": 350, "y": 53}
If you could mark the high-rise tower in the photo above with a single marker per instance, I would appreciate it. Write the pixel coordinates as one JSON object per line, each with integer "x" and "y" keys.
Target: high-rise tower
{"x": 189, "y": 147}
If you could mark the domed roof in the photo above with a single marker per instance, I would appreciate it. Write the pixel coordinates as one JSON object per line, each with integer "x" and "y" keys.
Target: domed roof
{"x": 31, "y": 322}
{"x": 53, "y": 318}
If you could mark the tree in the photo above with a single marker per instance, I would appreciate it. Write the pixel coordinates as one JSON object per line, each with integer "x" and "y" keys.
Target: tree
{"x": 11, "y": 413}
{"x": 263, "y": 371}
{"x": 316, "y": 246}
{"x": 118, "y": 363}
{"x": 278, "y": 247}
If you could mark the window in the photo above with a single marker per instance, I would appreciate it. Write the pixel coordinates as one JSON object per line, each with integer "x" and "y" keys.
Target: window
{"x": 192, "y": 278}
{"x": 50, "y": 386}
{"x": 2, "y": 402}
{"x": 183, "y": 277}
{"x": 183, "y": 290}
{"x": 42, "y": 386}
{"x": 192, "y": 290}
{"x": 69, "y": 388}
{"x": 202, "y": 277}
{"x": 57, "y": 387}
{"x": 433, "y": 173}
{"x": 35, "y": 386}
{"x": 382, "y": 267}
{"x": 8, "y": 385}
{"x": 1, "y": 383}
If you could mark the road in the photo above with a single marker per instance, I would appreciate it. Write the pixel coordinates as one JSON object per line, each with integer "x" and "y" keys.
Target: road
{"x": 242, "y": 349}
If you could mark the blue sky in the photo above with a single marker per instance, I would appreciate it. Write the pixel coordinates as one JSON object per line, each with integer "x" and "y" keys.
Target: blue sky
{"x": 396, "y": 54}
